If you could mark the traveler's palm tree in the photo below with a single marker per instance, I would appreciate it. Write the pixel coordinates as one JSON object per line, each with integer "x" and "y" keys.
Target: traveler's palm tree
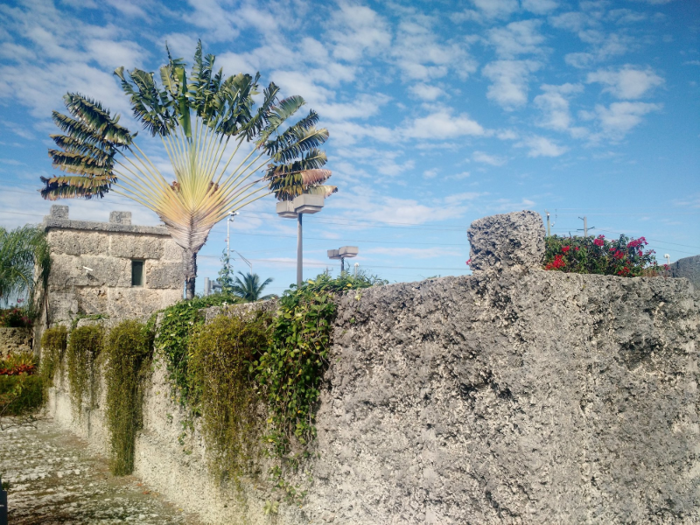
{"x": 250, "y": 288}
{"x": 203, "y": 120}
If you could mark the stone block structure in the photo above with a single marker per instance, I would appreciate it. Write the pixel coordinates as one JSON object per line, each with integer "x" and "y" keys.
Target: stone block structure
{"x": 512, "y": 396}
{"x": 116, "y": 269}
{"x": 688, "y": 267}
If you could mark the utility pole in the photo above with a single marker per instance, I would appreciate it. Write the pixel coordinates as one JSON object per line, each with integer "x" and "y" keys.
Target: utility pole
{"x": 585, "y": 226}
{"x": 549, "y": 230}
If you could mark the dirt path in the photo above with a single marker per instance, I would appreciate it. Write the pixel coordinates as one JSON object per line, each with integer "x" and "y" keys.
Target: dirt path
{"x": 55, "y": 479}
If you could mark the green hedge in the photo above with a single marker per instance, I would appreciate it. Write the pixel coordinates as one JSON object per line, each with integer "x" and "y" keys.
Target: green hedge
{"x": 21, "y": 395}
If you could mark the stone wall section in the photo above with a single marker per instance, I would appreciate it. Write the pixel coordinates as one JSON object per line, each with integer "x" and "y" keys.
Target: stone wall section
{"x": 512, "y": 396}
{"x": 15, "y": 340}
{"x": 689, "y": 268}
{"x": 92, "y": 266}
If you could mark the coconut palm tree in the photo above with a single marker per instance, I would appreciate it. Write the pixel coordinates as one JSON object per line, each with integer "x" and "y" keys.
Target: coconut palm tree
{"x": 24, "y": 254}
{"x": 249, "y": 288}
{"x": 224, "y": 152}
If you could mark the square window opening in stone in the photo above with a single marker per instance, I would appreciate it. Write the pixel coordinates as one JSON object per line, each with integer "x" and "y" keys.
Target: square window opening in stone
{"x": 136, "y": 273}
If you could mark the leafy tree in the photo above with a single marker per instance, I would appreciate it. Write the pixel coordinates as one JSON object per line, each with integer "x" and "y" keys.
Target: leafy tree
{"x": 250, "y": 288}
{"x": 21, "y": 251}
{"x": 226, "y": 274}
{"x": 215, "y": 139}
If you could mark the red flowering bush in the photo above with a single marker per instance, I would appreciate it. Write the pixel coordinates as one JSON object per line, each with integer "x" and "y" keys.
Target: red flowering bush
{"x": 15, "y": 318}
{"x": 624, "y": 257}
{"x": 14, "y": 365}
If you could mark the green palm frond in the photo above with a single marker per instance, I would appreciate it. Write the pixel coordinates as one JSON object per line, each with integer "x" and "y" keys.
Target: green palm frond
{"x": 97, "y": 119}
{"x": 249, "y": 288}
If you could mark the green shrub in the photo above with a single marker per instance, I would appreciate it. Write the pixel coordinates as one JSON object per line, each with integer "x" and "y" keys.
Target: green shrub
{"x": 21, "y": 395}
{"x": 222, "y": 358}
{"x": 624, "y": 257}
{"x": 84, "y": 347}
{"x": 128, "y": 353}
{"x": 290, "y": 372}
{"x": 174, "y": 334}
{"x": 53, "y": 348}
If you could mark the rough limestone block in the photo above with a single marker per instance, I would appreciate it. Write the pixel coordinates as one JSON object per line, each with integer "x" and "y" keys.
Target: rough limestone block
{"x": 92, "y": 300}
{"x": 170, "y": 297}
{"x": 62, "y": 306}
{"x": 171, "y": 251}
{"x": 15, "y": 341}
{"x": 688, "y": 267}
{"x": 124, "y": 303}
{"x": 120, "y": 217}
{"x": 59, "y": 212}
{"x": 136, "y": 247}
{"x": 66, "y": 272}
{"x": 71, "y": 242}
{"x": 512, "y": 240}
{"x": 164, "y": 275}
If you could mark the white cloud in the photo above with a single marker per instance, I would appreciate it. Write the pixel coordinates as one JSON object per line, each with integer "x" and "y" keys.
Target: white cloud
{"x": 485, "y": 158}
{"x": 356, "y": 30}
{"x": 420, "y": 55}
{"x": 414, "y": 253}
{"x": 653, "y": 2}
{"x": 112, "y": 54}
{"x": 431, "y": 173}
{"x": 542, "y": 147}
{"x": 443, "y": 125}
{"x": 554, "y": 104}
{"x": 496, "y": 8}
{"x": 627, "y": 83}
{"x": 458, "y": 176}
{"x": 510, "y": 81}
{"x": 540, "y": 6}
{"x": 618, "y": 119}
{"x": 517, "y": 38}
{"x": 427, "y": 92}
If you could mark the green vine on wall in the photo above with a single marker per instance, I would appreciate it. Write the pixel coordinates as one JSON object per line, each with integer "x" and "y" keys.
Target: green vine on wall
{"x": 84, "y": 347}
{"x": 54, "y": 342}
{"x": 222, "y": 356}
{"x": 177, "y": 323}
{"x": 128, "y": 353}
{"x": 291, "y": 371}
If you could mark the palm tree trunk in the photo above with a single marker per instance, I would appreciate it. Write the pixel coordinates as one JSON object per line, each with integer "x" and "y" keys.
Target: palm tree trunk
{"x": 190, "y": 268}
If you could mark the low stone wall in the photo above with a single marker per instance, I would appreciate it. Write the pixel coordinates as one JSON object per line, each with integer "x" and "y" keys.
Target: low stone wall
{"x": 15, "y": 340}
{"x": 514, "y": 395}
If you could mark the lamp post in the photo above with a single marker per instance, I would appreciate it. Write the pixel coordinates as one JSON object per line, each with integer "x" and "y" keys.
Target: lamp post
{"x": 295, "y": 209}
{"x": 342, "y": 253}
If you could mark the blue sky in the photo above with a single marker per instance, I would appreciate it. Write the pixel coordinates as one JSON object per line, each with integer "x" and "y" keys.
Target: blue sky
{"x": 439, "y": 112}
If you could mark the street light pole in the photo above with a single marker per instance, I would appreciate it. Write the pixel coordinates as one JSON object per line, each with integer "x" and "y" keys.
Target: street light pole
{"x": 300, "y": 251}
{"x": 304, "y": 203}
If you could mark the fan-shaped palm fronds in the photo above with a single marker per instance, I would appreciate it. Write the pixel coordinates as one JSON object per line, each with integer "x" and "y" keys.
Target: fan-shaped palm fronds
{"x": 250, "y": 288}
{"x": 203, "y": 122}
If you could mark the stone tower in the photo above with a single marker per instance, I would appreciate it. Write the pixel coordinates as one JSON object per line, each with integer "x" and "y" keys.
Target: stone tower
{"x": 115, "y": 268}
